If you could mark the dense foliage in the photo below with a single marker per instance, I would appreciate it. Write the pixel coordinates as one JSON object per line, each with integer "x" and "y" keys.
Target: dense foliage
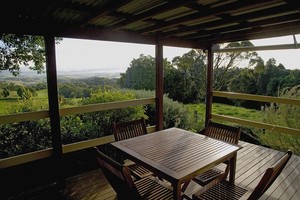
{"x": 184, "y": 83}
{"x": 286, "y": 116}
{"x": 185, "y": 77}
{"x": 22, "y": 50}
{"x": 23, "y": 137}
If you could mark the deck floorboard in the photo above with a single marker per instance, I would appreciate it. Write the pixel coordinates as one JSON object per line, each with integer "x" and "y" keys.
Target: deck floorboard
{"x": 252, "y": 161}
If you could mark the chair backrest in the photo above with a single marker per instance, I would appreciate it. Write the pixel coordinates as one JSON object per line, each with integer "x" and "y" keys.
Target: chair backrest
{"x": 118, "y": 176}
{"x": 223, "y": 132}
{"x": 129, "y": 129}
{"x": 270, "y": 176}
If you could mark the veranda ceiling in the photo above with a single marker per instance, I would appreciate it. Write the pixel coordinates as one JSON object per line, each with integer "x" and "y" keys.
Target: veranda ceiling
{"x": 187, "y": 23}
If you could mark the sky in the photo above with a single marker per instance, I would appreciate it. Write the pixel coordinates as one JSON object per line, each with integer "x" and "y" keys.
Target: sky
{"x": 75, "y": 54}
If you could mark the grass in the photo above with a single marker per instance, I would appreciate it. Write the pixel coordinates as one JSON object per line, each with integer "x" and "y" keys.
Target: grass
{"x": 197, "y": 111}
{"x": 42, "y": 94}
{"x": 275, "y": 140}
{"x": 7, "y": 104}
{"x": 222, "y": 109}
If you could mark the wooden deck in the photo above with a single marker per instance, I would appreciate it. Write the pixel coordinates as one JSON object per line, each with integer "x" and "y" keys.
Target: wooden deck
{"x": 251, "y": 164}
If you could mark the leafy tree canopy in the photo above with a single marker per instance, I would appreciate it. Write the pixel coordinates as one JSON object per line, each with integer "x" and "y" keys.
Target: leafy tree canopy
{"x": 22, "y": 50}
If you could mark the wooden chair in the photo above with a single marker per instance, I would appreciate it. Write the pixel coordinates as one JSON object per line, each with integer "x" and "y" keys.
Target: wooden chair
{"x": 222, "y": 132}
{"x": 129, "y": 129}
{"x": 220, "y": 188}
{"x": 121, "y": 181}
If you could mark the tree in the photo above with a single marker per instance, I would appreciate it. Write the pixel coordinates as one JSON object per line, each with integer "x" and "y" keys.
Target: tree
{"x": 24, "y": 93}
{"x": 185, "y": 77}
{"x": 223, "y": 62}
{"x": 244, "y": 82}
{"x": 269, "y": 79}
{"x": 26, "y": 50}
{"x": 186, "y": 81}
{"x": 141, "y": 73}
{"x": 5, "y": 92}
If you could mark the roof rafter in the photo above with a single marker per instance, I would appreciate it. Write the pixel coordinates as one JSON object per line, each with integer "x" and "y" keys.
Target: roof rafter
{"x": 254, "y": 33}
{"x": 242, "y": 20}
{"x": 155, "y": 11}
{"x": 204, "y": 11}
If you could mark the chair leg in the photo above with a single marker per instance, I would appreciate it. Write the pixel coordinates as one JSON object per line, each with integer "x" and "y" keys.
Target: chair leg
{"x": 185, "y": 185}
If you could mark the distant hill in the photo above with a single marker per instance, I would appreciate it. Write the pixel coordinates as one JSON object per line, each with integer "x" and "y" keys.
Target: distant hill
{"x": 29, "y": 77}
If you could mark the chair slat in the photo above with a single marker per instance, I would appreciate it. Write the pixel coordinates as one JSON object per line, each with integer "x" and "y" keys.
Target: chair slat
{"x": 119, "y": 177}
{"x": 130, "y": 129}
{"x": 220, "y": 188}
{"x": 222, "y": 132}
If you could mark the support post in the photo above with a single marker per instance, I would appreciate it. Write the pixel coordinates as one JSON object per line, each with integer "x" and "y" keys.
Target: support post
{"x": 159, "y": 85}
{"x": 209, "y": 87}
{"x": 54, "y": 110}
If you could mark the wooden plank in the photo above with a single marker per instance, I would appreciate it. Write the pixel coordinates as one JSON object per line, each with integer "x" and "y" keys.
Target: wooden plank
{"x": 93, "y": 185}
{"x": 245, "y": 157}
{"x": 24, "y": 158}
{"x": 54, "y": 108}
{"x": 260, "y": 98}
{"x": 20, "y": 117}
{"x": 209, "y": 85}
{"x": 105, "y": 106}
{"x": 88, "y": 144}
{"x": 296, "y": 195}
{"x": 159, "y": 85}
{"x": 245, "y": 122}
{"x": 259, "y": 169}
{"x": 287, "y": 176}
{"x": 259, "y": 48}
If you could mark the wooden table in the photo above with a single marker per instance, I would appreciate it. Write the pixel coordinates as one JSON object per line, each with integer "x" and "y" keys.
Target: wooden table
{"x": 178, "y": 155}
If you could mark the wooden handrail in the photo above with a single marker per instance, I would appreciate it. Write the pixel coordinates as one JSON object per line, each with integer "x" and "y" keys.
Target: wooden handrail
{"x": 68, "y": 148}
{"x": 245, "y": 122}
{"x": 20, "y": 117}
{"x": 32, "y": 156}
{"x": 260, "y": 98}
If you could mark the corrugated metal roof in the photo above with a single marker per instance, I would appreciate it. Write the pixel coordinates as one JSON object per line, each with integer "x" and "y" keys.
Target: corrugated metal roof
{"x": 176, "y": 22}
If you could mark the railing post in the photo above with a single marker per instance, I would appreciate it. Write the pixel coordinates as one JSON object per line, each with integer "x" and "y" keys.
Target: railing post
{"x": 209, "y": 87}
{"x": 54, "y": 109}
{"x": 159, "y": 85}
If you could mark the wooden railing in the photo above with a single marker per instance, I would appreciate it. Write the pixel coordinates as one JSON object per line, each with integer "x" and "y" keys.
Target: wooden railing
{"x": 260, "y": 98}
{"x": 24, "y": 158}
{"x": 16, "y": 160}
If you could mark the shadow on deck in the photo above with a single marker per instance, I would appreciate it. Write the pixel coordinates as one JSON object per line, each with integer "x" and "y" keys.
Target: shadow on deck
{"x": 252, "y": 162}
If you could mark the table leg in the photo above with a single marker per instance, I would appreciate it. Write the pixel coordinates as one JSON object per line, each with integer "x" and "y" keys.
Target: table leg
{"x": 176, "y": 190}
{"x": 232, "y": 168}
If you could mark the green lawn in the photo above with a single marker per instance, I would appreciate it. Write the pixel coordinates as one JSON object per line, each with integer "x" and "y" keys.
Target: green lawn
{"x": 38, "y": 102}
{"x": 197, "y": 112}
{"x": 222, "y": 109}
{"x": 7, "y": 104}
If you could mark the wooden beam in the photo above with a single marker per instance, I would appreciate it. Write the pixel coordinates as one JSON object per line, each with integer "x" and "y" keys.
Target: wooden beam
{"x": 270, "y": 127}
{"x": 203, "y": 29}
{"x": 104, "y": 10}
{"x": 170, "y": 5}
{"x": 54, "y": 108}
{"x": 257, "y": 33}
{"x": 253, "y": 97}
{"x": 159, "y": 85}
{"x": 209, "y": 87}
{"x": 259, "y": 48}
{"x": 203, "y": 11}
{"x": 105, "y": 106}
